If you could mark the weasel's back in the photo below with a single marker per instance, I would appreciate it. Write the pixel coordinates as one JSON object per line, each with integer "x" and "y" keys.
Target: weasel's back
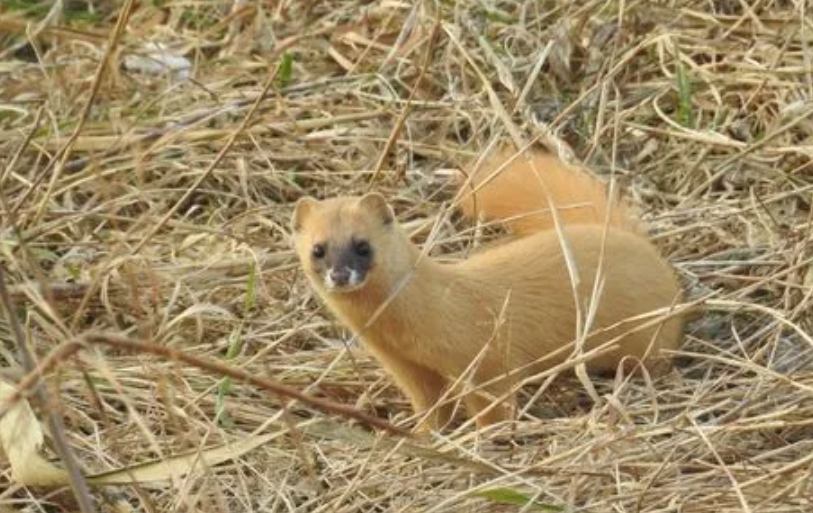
{"x": 528, "y": 280}
{"x": 520, "y": 189}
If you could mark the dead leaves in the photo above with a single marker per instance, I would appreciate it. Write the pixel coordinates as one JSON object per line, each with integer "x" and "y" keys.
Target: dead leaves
{"x": 22, "y": 438}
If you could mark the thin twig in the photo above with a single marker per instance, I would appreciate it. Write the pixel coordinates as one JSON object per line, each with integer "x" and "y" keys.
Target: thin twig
{"x": 244, "y": 376}
{"x": 75, "y": 475}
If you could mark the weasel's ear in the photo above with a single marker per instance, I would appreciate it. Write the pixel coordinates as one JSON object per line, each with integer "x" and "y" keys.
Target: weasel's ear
{"x": 304, "y": 207}
{"x": 375, "y": 203}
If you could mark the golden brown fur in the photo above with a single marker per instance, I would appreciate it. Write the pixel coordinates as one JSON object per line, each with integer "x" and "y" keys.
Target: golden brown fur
{"x": 513, "y": 304}
{"x": 512, "y": 188}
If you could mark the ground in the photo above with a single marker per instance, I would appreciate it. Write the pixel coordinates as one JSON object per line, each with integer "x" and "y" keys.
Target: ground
{"x": 150, "y": 157}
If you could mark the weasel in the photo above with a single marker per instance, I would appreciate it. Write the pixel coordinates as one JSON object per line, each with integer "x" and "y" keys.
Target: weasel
{"x": 505, "y": 313}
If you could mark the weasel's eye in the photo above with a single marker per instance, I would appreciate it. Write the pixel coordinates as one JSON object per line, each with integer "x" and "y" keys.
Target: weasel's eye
{"x": 362, "y": 248}
{"x": 318, "y": 251}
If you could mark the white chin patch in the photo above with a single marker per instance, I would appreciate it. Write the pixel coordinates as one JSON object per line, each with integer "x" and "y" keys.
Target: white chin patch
{"x": 354, "y": 283}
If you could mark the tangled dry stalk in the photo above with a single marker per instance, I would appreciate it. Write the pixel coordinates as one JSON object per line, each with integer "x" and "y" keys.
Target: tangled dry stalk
{"x": 146, "y": 179}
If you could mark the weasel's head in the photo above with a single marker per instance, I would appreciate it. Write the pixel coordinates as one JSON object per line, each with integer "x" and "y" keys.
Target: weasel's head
{"x": 341, "y": 241}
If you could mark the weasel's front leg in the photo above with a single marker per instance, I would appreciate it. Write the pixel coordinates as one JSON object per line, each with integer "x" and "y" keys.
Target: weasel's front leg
{"x": 477, "y": 402}
{"x": 423, "y": 386}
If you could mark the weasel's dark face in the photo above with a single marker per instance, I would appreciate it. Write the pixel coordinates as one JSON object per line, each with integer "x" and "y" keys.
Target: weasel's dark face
{"x": 339, "y": 240}
{"x": 342, "y": 264}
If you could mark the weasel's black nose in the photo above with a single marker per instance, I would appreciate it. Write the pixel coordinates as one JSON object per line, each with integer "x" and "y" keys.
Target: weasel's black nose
{"x": 340, "y": 277}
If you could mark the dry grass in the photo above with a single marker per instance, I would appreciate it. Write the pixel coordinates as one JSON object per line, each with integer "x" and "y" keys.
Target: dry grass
{"x": 148, "y": 213}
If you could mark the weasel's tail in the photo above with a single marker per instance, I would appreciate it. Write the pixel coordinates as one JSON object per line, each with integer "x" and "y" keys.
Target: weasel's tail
{"x": 519, "y": 190}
